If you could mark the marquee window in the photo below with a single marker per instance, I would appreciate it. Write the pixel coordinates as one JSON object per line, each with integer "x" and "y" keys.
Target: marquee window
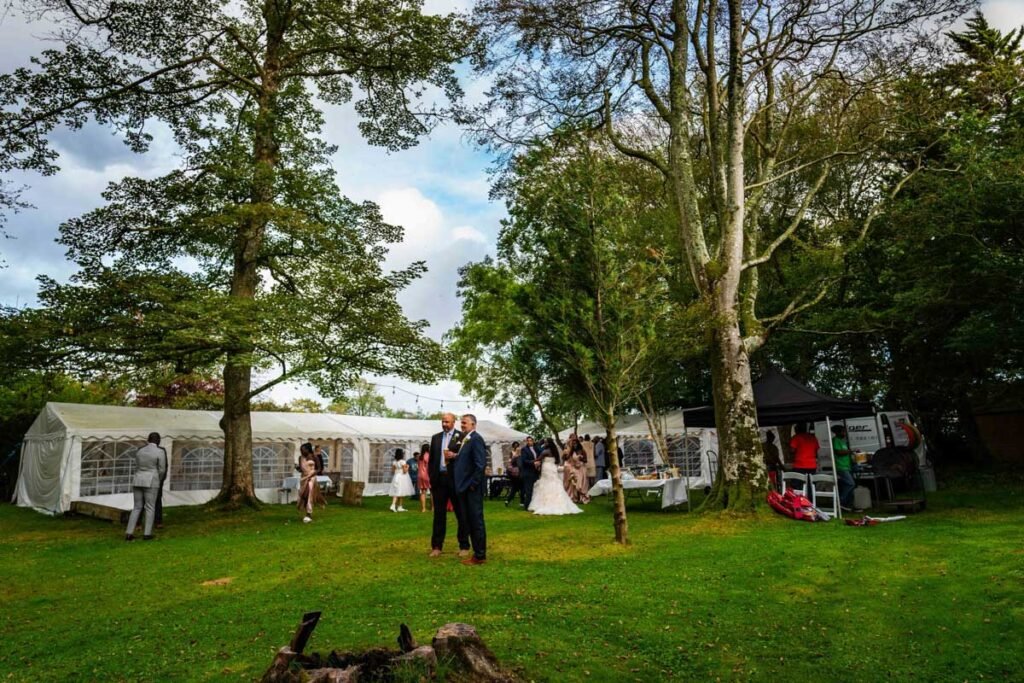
{"x": 382, "y": 455}
{"x": 346, "y": 458}
{"x": 271, "y": 463}
{"x": 637, "y": 454}
{"x": 198, "y": 467}
{"x": 684, "y": 453}
{"x": 107, "y": 467}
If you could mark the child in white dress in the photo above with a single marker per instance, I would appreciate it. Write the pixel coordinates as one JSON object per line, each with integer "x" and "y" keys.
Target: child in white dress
{"x": 401, "y": 482}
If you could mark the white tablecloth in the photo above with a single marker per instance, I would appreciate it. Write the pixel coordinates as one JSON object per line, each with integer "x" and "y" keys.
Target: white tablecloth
{"x": 673, "y": 491}
{"x": 293, "y": 482}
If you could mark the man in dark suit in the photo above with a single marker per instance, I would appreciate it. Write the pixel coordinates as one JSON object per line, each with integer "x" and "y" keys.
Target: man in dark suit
{"x": 469, "y": 467}
{"x": 442, "y": 488}
{"x": 528, "y": 458}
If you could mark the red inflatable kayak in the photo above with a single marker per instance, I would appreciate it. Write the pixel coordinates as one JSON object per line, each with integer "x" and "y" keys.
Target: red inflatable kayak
{"x": 794, "y": 506}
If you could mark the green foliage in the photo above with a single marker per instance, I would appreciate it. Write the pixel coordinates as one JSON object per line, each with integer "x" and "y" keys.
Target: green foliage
{"x": 935, "y": 597}
{"x": 576, "y": 311}
{"x": 23, "y": 394}
{"x": 932, "y": 302}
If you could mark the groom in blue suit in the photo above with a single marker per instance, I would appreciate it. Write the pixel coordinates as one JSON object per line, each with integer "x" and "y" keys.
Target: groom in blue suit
{"x": 469, "y": 468}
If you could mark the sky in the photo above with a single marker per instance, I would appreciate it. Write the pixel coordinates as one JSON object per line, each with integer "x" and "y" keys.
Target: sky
{"x": 437, "y": 191}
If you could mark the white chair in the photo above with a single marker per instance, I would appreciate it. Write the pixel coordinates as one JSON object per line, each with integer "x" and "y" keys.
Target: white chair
{"x": 799, "y": 479}
{"x": 825, "y": 486}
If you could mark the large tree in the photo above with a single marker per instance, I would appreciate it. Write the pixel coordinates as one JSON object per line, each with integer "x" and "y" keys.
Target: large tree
{"x": 591, "y": 293}
{"x": 745, "y": 109}
{"x": 247, "y": 254}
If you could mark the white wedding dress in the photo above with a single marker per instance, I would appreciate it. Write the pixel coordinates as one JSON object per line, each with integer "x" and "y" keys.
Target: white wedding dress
{"x": 549, "y": 496}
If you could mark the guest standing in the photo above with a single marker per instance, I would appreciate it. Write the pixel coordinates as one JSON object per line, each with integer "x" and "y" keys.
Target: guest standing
{"x": 529, "y": 470}
{"x": 470, "y": 463}
{"x": 414, "y": 474}
{"x": 772, "y": 461}
{"x": 423, "y": 474}
{"x": 309, "y": 488}
{"x": 150, "y": 469}
{"x": 591, "y": 465}
{"x": 515, "y": 475}
{"x": 805, "y": 450}
{"x": 600, "y": 458}
{"x": 159, "y": 516}
{"x": 575, "y": 475}
{"x": 401, "y": 482}
{"x": 844, "y": 467}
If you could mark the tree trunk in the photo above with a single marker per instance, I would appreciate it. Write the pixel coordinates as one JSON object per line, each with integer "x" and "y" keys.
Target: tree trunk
{"x": 743, "y": 480}
{"x": 236, "y": 488}
{"x": 611, "y": 448}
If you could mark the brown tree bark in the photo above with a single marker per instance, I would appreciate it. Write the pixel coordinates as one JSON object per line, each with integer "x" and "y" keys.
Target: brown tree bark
{"x": 611, "y": 448}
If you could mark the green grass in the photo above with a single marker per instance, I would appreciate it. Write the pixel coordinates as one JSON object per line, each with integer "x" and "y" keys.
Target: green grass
{"x": 937, "y": 597}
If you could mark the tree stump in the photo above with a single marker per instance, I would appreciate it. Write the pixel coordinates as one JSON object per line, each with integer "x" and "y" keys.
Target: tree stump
{"x": 352, "y": 493}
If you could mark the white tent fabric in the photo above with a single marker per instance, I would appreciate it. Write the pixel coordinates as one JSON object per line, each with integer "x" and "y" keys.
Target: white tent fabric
{"x": 634, "y": 430}
{"x": 51, "y": 471}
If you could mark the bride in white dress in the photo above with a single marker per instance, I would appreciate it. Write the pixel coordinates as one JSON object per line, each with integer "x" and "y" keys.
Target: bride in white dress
{"x": 549, "y": 496}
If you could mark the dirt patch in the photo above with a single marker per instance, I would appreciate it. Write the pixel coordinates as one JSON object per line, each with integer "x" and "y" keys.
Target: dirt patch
{"x": 218, "y": 582}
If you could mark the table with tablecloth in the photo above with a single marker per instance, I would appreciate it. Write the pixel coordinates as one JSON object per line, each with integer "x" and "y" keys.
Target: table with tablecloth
{"x": 673, "y": 491}
{"x": 292, "y": 484}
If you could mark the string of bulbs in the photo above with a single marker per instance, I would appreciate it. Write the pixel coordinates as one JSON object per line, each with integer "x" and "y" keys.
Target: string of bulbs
{"x": 442, "y": 401}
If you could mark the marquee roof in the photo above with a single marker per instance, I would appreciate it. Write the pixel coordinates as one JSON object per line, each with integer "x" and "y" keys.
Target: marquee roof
{"x": 60, "y": 420}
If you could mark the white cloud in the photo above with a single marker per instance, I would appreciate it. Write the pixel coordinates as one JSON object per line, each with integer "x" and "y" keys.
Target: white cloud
{"x": 420, "y": 218}
{"x": 469, "y": 234}
{"x": 1004, "y": 15}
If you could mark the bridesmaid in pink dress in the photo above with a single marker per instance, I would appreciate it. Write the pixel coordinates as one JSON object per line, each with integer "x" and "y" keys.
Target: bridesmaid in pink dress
{"x": 423, "y": 475}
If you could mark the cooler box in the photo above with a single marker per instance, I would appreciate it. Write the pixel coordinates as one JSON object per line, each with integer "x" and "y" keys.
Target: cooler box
{"x": 928, "y": 479}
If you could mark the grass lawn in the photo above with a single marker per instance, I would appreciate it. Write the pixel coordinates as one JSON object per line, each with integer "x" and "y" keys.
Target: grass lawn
{"x": 937, "y": 597}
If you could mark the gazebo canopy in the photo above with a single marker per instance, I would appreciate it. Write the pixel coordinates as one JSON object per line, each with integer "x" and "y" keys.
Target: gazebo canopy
{"x": 782, "y": 400}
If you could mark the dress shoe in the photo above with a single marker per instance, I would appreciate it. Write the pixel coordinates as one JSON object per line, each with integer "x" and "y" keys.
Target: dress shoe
{"x": 464, "y": 552}
{"x": 129, "y": 537}
{"x": 472, "y": 561}
{"x": 436, "y": 552}
{"x": 148, "y": 538}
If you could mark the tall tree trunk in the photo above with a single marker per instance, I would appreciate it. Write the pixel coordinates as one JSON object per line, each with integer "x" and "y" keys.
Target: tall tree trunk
{"x": 743, "y": 479}
{"x": 611, "y": 448}
{"x": 237, "y": 486}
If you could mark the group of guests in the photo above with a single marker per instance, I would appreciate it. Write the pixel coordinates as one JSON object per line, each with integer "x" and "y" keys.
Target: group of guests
{"x": 805, "y": 447}
{"x": 584, "y": 461}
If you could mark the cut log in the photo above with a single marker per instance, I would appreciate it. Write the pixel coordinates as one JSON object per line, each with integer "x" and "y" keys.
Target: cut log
{"x": 462, "y": 643}
{"x": 352, "y": 493}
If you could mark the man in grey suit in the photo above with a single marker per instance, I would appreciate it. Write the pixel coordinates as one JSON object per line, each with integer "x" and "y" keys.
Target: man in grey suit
{"x": 150, "y": 469}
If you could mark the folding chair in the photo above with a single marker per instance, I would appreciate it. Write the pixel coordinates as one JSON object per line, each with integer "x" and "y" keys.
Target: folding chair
{"x": 830, "y": 493}
{"x": 799, "y": 478}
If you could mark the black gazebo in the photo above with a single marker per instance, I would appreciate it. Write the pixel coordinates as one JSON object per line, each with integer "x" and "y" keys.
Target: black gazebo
{"x": 782, "y": 400}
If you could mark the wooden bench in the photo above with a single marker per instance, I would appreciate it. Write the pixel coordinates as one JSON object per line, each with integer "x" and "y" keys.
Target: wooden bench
{"x": 98, "y": 511}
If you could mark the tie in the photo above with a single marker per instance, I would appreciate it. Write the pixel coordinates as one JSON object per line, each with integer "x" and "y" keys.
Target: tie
{"x": 444, "y": 447}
